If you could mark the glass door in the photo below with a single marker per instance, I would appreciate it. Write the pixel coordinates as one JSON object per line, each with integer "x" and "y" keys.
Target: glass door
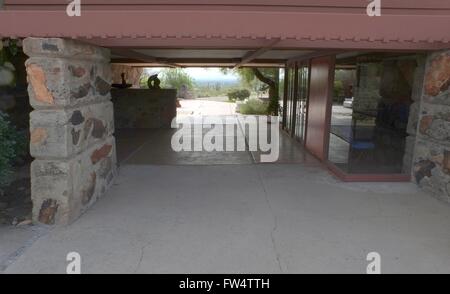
{"x": 290, "y": 97}
{"x": 301, "y": 101}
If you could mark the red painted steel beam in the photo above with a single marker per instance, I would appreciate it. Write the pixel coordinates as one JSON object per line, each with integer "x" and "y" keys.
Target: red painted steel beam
{"x": 233, "y": 29}
{"x": 251, "y": 55}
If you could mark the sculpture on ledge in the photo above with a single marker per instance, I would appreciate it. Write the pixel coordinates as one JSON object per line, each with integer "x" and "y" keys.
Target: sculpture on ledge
{"x": 153, "y": 82}
{"x": 124, "y": 84}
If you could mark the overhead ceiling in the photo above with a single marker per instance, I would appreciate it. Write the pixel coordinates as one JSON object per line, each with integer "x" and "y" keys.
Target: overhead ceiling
{"x": 205, "y": 57}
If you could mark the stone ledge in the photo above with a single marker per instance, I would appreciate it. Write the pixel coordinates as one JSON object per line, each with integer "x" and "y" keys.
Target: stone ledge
{"x": 66, "y": 48}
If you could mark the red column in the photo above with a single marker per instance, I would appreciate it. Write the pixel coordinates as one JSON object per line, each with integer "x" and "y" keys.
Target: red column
{"x": 319, "y": 106}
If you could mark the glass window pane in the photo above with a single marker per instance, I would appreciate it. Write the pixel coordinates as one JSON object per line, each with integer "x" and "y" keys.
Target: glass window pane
{"x": 370, "y": 115}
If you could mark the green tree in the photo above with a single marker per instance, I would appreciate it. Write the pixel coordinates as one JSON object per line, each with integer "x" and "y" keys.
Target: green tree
{"x": 175, "y": 78}
{"x": 270, "y": 77}
{"x": 143, "y": 81}
{"x": 238, "y": 94}
{"x": 338, "y": 89}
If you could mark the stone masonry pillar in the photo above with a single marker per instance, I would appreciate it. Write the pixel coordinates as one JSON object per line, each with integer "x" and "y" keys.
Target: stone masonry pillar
{"x": 71, "y": 127}
{"x": 431, "y": 168}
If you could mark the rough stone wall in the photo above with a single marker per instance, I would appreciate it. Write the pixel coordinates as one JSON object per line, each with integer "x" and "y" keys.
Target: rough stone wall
{"x": 132, "y": 74}
{"x": 432, "y": 152}
{"x": 144, "y": 108}
{"x": 71, "y": 127}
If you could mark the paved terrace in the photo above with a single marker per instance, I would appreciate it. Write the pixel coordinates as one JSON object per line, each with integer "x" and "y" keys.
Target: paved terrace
{"x": 242, "y": 217}
{"x": 278, "y": 218}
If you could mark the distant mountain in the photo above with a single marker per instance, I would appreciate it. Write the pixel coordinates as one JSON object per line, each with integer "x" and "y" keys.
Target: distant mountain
{"x": 206, "y": 82}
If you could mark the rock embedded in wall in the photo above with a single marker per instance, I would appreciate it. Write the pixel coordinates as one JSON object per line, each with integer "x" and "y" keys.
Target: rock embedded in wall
{"x": 47, "y": 212}
{"x": 38, "y": 81}
{"x": 437, "y": 79}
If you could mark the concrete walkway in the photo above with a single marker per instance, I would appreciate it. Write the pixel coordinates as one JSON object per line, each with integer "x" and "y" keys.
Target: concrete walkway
{"x": 223, "y": 213}
{"x": 273, "y": 218}
{"x": 153, "y": 147}
{"x": 198, "y": 107}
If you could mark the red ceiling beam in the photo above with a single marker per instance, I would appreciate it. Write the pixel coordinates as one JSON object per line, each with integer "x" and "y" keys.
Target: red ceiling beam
{"x": 216, "y": 28}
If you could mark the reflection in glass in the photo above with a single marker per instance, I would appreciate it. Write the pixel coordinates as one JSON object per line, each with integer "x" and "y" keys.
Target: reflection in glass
{"x": 370, "y": 115}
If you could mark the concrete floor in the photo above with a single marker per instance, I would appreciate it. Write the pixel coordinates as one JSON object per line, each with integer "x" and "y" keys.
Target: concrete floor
{"x": 217, "y": 213}
{"x": 270, "y": 218}
{"x": 14, "y": 241}
{"x": 148, "y": 146}
{"x": 196, "y": 107}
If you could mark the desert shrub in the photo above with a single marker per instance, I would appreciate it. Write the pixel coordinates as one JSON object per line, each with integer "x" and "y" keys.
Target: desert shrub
{"x": 241, "y": 94}
{"x": 176, "y": 78}
{"x": 338, "y": 91}
{"x": 254, "y": 107}
{"x": 13, "y": 145}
